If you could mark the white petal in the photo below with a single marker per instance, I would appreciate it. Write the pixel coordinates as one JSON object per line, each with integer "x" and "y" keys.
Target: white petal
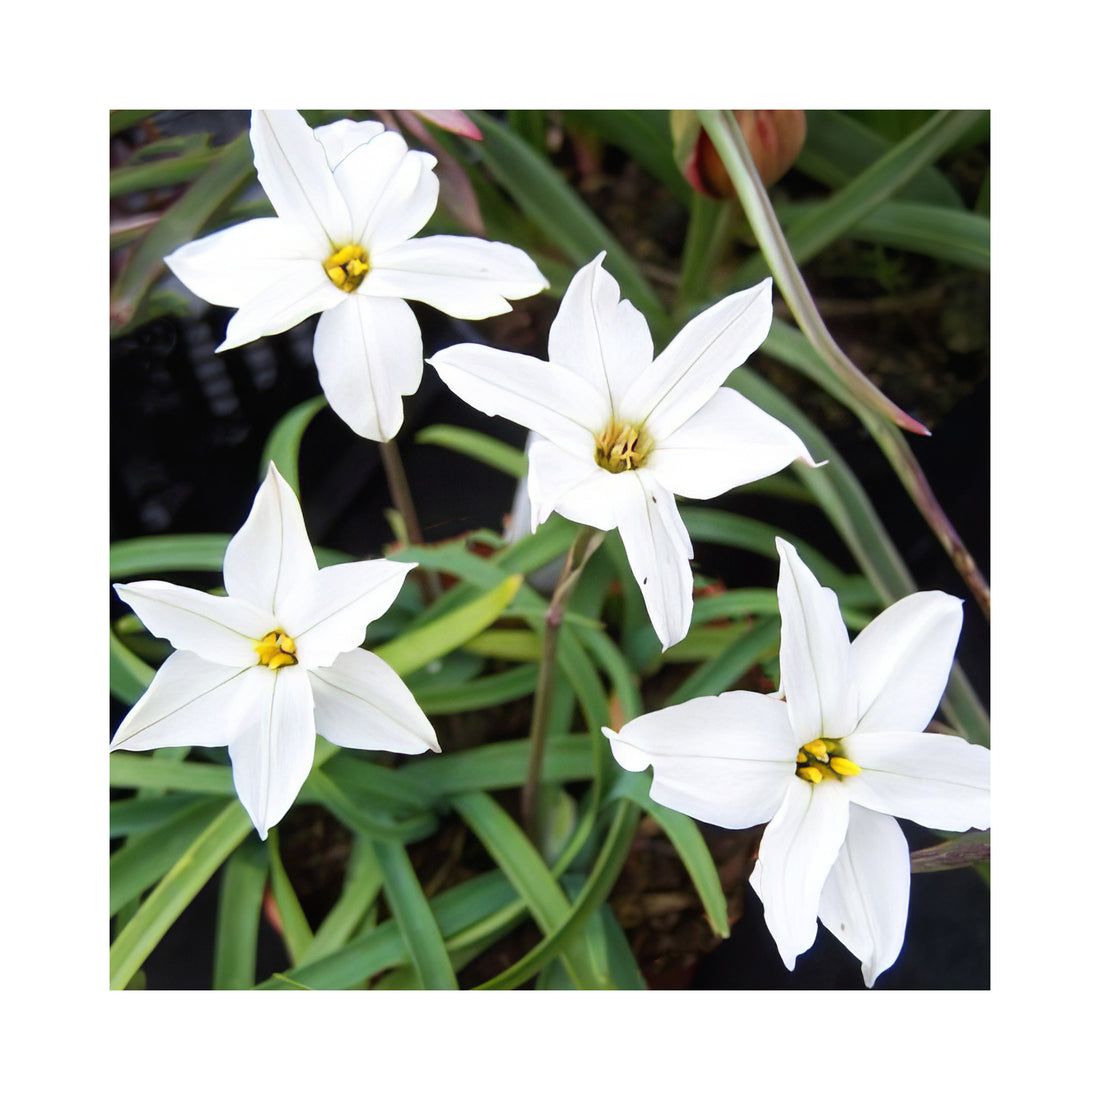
{"x": 342, "y": 137}
{"x": 728, "y": 442}
{"x": 234, "y": 265}
{"x": 461, "y": 276}
{"x": 797, "y": 851}
{"x": 270, "y": 556}
{"x": 725, "y": 759}
{"x": 273, "y": 753}
{"x": 391, "y": 192}
{"x": 295, "y": 174}
{"x": 329, "y": 615}
{"x": 865, "y": 900}
{"x": 301, "y": 290}
{"x": 221, "y": 629}
{"x": 598, "y": 336}
{"x": 546, "y": 398}
{"x": 369, "y": 354}
{"x": 813, "y": 652}
{"x": 362, "y": 704}
{"x": 902, "y": 659}
{"x": 699, "y": 359}
{"x": 659, "y": 551}
{"x": 189, "y": 702}
{"x": 934, "y": 779}
{"x": 577, "y": 488}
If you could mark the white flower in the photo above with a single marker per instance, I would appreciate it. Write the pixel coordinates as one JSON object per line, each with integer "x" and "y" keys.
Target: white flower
{"x": 830, "y": 767}
{"x": 348, "y": 198}
{"x": 622, "y": 432}
{"x": 276, "y": 661}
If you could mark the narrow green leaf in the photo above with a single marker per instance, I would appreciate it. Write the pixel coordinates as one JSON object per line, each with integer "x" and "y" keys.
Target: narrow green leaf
{"x": 491, "y": 452}
{"x": 954, "y": 236}
{"x": 415, "y": 920}
{"x": 417, "y": 648}
{"x": 362, "y": 885}
{"x": 557, "y": 209}
{"x": 125, "y": 120}
{"x": 964, "y": 850}
{"x": 285, "y": 440}
{"x": 720, "y": 673}
{"x": 142, "y": 771}
{"x": 226, "y": 174}
{"x": 167, "y": 172}
{"x": 297, "y": 934}
{"x": 485, "y": 691}
{"x": 175, "y": 891}
{"x": 140, "y": 863}
{"x": 129, "y": 674}
{"x": 376, "y": 824}
{"x": 134, "y": 816}
{"x": 518, "y": 859}
{"x": 240, "y": 902}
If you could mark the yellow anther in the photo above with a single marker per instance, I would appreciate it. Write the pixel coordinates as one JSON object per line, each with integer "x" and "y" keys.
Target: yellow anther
{"x": 621, "y": 447}
{"x": 817, "y": 749}
{"x": 801, "y": 758}
{"x": 814, "y": 775}
{"x": 348, "y": 267}
{"x": 276, "y": 650}
{"x": 843, "y": 766}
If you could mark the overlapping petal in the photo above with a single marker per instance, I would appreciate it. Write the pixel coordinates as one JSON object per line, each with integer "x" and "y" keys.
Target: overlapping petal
{"x": 728, "y": 442}
{"x": 658, "y": 549}
{"x": 369, "y": 354}
{"x": 902, "y": 659}
{"x": 363, "y": 704}
{"x": 797, "y": 851}
{"x": 272, "y": 752}
{"x": 597, "y": 335}
{"x": 813, "y": 652}
{"x": 725, "y": 759}
{"x": 299, "y": 289}
{"x": 341, "y": 138}
{"x": 191, "y": 701}
{"x": 577, "y": 488}
{"x": 462, "y": 276}
{"x": 548, "y": 399}
{"x": 294, "y": 172}
{"x": 698, "y": 360}
{"x": 271, "y": 555}
{"x": 865, "y": 900}
{"x": 936, "y": 780}
{"x": 330, "y": 613}
{"x": 221, "y": 629}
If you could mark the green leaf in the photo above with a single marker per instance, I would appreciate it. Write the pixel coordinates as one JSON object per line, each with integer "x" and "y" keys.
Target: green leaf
{"x": 518, "y": 859}
{"x": 142, "y": 771}
{"x": 219, "y": 182}
{"x": 175, "y": 891}
{"x": 419, "y": 930}
{"x": 485, "y": 691}
{"x": 167, "y": 172}
{"x": 362, "y": 884}
{"x": 240, "y": 903}
{"x": 491, "y": 452}
{"x": 557, "y": 209}
{"x": 285, "y": 440}
{"x": 140, "y": 863}
{"x": 838, "y": 148}
{"x": 954, "y": 236}
{"x": 297, "y": 934}
{"x": 418, "y": 648}
{"x": 721, "y": 672}
{"x": 129, "y": 674}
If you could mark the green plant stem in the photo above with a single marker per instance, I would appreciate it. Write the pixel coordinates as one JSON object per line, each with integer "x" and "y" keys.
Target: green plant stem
{"x": 402, "y": 499}
{"x": 585, "y": 544}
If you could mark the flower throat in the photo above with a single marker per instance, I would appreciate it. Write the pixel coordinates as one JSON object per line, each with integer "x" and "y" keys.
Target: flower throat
{"x": 621, "y": 447}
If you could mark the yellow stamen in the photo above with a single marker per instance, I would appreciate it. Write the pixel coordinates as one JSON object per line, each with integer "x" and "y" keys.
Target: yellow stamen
{"x": 276, "y": 650}
{"x": 621, "y": 447}
{"x": 814, "y": 775}
{"x": 348, "y": 267}
{"x": 801, "y": 758}
{"x": 817, "y": 749}
{"x": 842, "y": 766}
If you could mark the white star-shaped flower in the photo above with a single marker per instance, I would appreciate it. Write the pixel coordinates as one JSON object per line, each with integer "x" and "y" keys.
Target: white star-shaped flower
{"x": 621, "y": 432}
{"x": 829, "y": 767}
{"x": 348, "y": 198}
{"x": 266, "y": 667}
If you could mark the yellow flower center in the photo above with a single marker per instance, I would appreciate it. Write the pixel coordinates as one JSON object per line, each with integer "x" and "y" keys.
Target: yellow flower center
{"x": 818, "y": 760}
{"x": 348, "y": 266}
{"x": 621, "y": 447}
{"x": 276, "y": 650}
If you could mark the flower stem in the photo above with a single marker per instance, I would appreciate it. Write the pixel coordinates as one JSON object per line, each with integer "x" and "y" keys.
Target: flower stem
{"x": 403, "y": 502}
{"x": 584, "y": 546}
